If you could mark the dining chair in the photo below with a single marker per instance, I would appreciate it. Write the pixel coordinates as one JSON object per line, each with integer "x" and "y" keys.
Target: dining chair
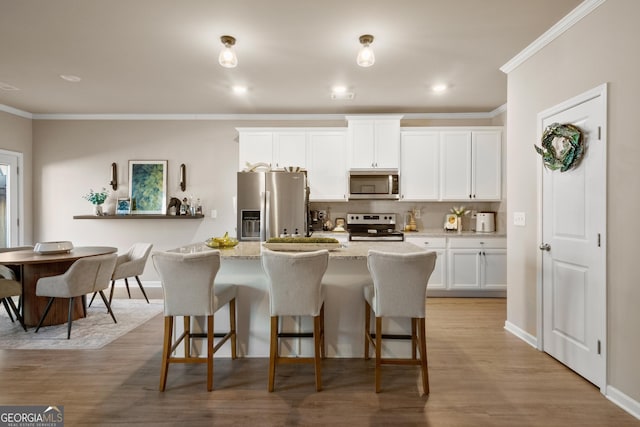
{"x": 399, "y": 290}
{"x": 10, "y": 286}
{"x": 86, "y": 275}
{"x": 130, "y": 264}
{"x": 189, "y": 288}
{"x": 295, "y": 289}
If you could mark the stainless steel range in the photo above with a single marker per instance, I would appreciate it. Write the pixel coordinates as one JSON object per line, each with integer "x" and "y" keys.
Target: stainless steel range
{"x": 373, "y": 227}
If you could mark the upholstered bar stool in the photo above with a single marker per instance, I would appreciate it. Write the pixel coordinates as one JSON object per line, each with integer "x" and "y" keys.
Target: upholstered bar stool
{"x": 295, "y": 289}
{"x": 399, "y": 290}
{"x": 189, "y": 290}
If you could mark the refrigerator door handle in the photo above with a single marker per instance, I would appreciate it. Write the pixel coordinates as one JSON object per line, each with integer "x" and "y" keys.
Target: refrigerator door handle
{"x": 265, "y": 212}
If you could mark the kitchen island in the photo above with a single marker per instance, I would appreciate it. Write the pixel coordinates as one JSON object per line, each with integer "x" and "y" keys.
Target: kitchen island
{"x": 344, "y": 280}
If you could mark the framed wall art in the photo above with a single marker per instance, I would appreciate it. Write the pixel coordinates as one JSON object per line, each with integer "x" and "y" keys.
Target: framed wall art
{"x": 148, "y": 186}
{"x": 123, "y": 206}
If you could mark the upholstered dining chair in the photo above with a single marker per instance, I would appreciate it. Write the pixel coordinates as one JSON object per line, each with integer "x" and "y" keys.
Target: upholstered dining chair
{"x": 86, "y": 275}
{"x": 295, "y": 289}
{"x": 130, "y": 264}
{"x": 399, "y": 290}
{"x": 10, "y": 287}
{"x": 189, "y": 288}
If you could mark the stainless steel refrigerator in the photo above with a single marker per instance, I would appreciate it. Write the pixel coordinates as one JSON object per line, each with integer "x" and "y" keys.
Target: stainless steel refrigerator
{"x": 268, "y": 203}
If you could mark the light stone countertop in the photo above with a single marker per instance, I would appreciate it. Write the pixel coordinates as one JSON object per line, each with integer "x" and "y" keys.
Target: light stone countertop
{"x": 428, "y": 232}
{"x": 349, "y": 251}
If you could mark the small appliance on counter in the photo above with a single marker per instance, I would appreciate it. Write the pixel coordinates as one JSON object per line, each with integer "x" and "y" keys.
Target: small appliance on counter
{"x": 373, "y": 227}
{"x": 485, "y": 222}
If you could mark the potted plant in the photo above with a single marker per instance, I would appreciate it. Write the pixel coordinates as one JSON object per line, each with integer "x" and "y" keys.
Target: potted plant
{"x": 96, "y": 198}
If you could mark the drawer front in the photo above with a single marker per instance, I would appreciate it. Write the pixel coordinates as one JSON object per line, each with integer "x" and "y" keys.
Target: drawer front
{"x": 428, "y": 242}
{"x": 477, "y": 242}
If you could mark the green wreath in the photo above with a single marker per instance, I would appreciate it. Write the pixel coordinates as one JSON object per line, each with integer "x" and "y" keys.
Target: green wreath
{"x": 562, "y": 147}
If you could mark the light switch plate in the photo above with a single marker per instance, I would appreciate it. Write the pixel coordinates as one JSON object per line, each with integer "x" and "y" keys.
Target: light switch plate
{"x": 519, "y": 219}
{"x": 214, "y": 213}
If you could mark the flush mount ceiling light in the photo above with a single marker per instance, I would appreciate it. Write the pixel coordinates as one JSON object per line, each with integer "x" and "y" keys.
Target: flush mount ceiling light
{"x": 70, "y": 78}
{"x": 239, "y": 90}
{"x": 340, "y": 92}
{"x": 441, "y": 87}
{"x": 366, "y": 58}
{"x": 228, "y": 58}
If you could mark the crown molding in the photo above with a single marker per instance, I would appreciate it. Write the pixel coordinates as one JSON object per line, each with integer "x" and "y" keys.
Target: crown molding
{"x": 15, "y": 111}
{"x": 575, "y": 16}
{"x": 243, "y": 117}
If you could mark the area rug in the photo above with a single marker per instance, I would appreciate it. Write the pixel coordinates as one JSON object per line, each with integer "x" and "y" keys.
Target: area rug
{"x": 92, "y": 332}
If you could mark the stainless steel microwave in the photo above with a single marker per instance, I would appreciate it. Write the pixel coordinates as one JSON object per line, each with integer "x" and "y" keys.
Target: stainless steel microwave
{"x": 374, "y": 184}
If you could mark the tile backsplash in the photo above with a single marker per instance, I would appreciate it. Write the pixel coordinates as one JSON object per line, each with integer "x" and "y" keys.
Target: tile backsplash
{"x": 432, "y": 214}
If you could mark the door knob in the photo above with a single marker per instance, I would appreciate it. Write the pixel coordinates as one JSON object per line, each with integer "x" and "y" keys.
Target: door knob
{"x": 545, "y": 247}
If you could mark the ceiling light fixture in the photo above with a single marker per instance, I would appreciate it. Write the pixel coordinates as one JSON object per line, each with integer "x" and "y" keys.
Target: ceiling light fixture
{"x": 439, "y": 87}
{"x": 239, "y": 90}
{"x": 366, "y": 58}
{"x": 70, "y": 78}
{"x": 228, "y": 58}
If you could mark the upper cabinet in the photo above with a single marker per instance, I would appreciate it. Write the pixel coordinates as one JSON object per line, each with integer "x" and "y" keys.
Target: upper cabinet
{"x": 327, "y": 169}
{"x": 278, "y": 148}
{"x": 374, "y": 142}
{"x": 470, "y": 166}
{"x": 420, "y": 165}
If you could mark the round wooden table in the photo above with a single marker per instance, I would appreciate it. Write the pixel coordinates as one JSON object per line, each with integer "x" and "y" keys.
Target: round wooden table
{"x": 34, "y": 266}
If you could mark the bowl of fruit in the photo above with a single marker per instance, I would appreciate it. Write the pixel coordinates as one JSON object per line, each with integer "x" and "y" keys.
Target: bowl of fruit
{"x": 223, "y": 242}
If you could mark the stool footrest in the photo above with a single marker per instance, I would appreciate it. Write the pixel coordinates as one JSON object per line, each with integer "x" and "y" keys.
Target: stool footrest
{"x": 295, "y": 334}
{"x": 392, "y": 336}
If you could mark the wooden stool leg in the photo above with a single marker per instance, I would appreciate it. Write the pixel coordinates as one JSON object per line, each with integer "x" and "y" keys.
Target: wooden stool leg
{"x": 378, "y": 352}
{"x": 367, "y": 329}
{"x": 316, "y": 343}
{"x": 423, "y": 357}
{"x": 322, "y": 348}
{"x": 187, "y": 335}
{"x": 273, "y": 351}
{"x": 232, "y": 323}
{"x": 209, "y": 353}
{"x": 414, "y": 338}
{"x": 166, "y": 351}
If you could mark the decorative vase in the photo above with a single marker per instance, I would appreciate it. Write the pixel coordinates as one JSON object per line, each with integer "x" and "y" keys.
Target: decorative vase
{"x": 459, "y": 224}
{"x": 97, "y": 210}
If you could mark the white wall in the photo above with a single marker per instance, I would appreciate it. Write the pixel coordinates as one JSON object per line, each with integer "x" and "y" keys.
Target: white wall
{"x": 601, "y": 48}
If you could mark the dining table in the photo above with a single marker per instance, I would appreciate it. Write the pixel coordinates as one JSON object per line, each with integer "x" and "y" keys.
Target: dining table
{"x": 31, "y": 266}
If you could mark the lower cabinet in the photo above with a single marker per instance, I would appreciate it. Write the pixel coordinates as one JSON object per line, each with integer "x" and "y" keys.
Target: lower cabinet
{"x": 438, "y": 279}
{"x": 467, "y": 265}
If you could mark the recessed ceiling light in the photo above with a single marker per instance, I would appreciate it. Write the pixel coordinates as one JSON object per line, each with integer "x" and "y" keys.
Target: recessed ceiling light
{"x": 70, "y": 78}
{"x": 7, "y": 87}
{"x": 239, "y": 90}
{"x": 339, "y": 89}
{"x": 441, "y": 87}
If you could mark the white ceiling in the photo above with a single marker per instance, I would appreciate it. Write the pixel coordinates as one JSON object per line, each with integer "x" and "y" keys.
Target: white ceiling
{"x": 160, "y": 56}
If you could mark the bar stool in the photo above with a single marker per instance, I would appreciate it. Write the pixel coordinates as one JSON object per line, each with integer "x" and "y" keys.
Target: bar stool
{"x": 295, "y": 289}
{"x": 399, "y": 290}
{"x": 189, "y": 290}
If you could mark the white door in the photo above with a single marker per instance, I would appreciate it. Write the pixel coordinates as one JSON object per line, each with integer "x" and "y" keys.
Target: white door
{"x": 573, "y": 245}
{"x": 486, "y": 165}
{"x": 9, "y": 199}
{"x": 455, "y": 165}
{"x": 420, "y": 166}
{"x": 326, "y": 168}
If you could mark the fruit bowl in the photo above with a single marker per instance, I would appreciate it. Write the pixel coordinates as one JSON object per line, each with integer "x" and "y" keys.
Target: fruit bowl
{"x": 221, "y": 242}
{"x": 53, "y": 247}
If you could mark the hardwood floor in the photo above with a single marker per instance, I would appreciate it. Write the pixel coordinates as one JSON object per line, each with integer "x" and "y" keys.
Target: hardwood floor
{"x": 480, "y": 375}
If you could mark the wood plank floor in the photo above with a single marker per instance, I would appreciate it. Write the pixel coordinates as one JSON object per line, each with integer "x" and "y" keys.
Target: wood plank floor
{"x": 480, "y": 375}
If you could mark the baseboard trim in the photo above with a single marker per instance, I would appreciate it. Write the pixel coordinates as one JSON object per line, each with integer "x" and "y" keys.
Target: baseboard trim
{"x": 522, "y": 334}
{"x": 623, "y": 401}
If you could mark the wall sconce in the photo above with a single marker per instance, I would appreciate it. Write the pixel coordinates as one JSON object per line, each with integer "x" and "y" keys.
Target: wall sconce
{"x": 228, "y": 58}
{"x": 114, "y": 176}
{"x": 366, "y": 58}
{"x": 183, "y": 177}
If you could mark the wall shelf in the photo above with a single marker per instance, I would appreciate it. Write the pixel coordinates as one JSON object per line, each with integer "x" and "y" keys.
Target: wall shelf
{"x": 140, "y": 216}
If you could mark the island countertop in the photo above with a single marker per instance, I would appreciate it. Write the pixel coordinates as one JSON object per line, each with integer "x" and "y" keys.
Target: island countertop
{"x": 347, "y": 251}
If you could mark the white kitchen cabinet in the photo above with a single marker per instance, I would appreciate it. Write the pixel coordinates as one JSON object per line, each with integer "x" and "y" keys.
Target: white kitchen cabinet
{"x": 438, "y": 279}
{"x": 326, "y": 165}
{"x": 420, "y": 165}
{"x": 374, "y": 142}
{"x": 255, "y": 147}
{"x": 477, "y": 264}
{"x": 278, "y": 148}
{"x": 470, "y": 165}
